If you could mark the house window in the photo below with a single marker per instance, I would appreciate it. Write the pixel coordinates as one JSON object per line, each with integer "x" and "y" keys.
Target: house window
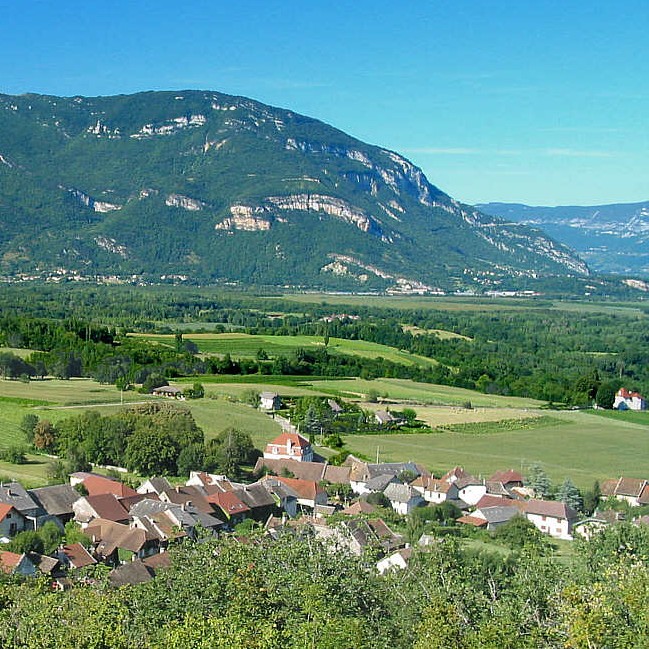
{"x": 12, "y": 528}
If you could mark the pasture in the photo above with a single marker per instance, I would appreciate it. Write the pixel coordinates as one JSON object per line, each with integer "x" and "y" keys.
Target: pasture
{"x": 464, "y": 303}
{"x": 581, "y": 446}
{"x": 240, "y": 345}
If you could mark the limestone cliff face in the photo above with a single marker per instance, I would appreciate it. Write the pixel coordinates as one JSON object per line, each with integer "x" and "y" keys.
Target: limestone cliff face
{"x": 97, "y": 206}
{"x": 184, "y": 202}
{"x": 260, "y": 217}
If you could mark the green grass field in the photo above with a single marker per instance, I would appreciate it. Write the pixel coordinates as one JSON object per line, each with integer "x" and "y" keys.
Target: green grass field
{"x": 583, "y": 447}
{"x": 474, "y": 304}
{"x": 240, "y": 345}
{"x": 57, "y": 399}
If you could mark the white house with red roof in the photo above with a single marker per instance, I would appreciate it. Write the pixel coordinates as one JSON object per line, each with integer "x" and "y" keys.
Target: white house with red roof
{"x": 551, "y": 517}
{"x": 289, "y": 446}
{"x": 625, "y": 400}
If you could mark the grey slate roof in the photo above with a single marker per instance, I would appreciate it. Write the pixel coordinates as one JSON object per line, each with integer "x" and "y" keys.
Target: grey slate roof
{"x": 255, "y": 495}
{"x": 380, "y": 482}
{"x": 56, "y": 500}
{"x": 400, "y": 493}
{"x": 130, "y": 574}
{"x": 393, "y": 468}
{"x": 496, "y": 515}
{"x": 14, "y": 494}
{"x": 159, "y": 484}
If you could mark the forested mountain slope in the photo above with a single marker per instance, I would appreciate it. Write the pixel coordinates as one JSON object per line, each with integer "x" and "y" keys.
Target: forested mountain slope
{"x": 219, "y": 188}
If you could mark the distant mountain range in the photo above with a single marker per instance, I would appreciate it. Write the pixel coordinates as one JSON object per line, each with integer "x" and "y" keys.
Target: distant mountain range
{"x": 610, "y": 238}
{"x": 206, "y": 187}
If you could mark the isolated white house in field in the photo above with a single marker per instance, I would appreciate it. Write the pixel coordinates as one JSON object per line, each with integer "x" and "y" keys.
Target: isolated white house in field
{"x": 269, "y": 401}
{"x": 625, "y": 400}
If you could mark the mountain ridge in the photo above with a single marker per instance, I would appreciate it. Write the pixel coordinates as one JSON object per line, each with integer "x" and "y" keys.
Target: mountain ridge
{"x": 212, "y": 187}
{"x": 611, "y": 238}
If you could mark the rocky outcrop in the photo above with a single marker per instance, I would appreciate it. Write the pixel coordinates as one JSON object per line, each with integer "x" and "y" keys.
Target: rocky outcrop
{"x": 88, "y": 201}
{"x": 247, "y": 217}
{"x": 184, "y": 202}
{"x": 111, "y": 246}
{"x": 170, "y": 126}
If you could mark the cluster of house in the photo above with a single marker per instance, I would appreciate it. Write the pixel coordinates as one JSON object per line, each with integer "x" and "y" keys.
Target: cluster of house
{"x": 627, "y": 400}
{"x": 130, "y": 529}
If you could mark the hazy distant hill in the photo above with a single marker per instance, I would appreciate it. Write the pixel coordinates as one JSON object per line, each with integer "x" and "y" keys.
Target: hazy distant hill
{"x": 220, "y": 188}
{"x": 611, "y": 238}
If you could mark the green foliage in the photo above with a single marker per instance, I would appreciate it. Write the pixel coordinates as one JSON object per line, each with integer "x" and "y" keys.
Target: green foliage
{"x": 519, "y": 532}
{"x": 148, "y": 438}
{"x": 51, "y": 535}
{"x": 569, "y": 494}
{"x": 151, "y": 451}
{"x": 591, "y": 498}
{"x": 446, "y": 513}
{"x": 73, "y": 534}
{"x": 197, "y": 391}
{"x": 152, "y": 382}
{"x": 14, "y": 455}
{"x": 26, "y": 541}
{"x": 27, "y": 426}
{"x": 489, "y": 427}
{"x": 295, "y": 592}
{"x": 251, "y": 397}
{"x": 230, "y": 452}
{"x": 605, "y": 396}
{"x": 378, "y": 498}
{"x": 537, "y": 479}
{"x": 372, "y": 396}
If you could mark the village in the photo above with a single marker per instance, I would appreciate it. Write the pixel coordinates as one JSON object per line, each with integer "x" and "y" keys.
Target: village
{"x": 296, "y": 491}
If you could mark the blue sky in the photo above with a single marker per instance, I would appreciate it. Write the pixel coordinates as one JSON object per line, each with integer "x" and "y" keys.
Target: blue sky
{"x": 530, "y": 101}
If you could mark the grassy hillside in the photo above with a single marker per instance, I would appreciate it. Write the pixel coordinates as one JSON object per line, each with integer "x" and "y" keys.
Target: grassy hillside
{"x": 240, "y": 345}
{"x": 582, "y": 445}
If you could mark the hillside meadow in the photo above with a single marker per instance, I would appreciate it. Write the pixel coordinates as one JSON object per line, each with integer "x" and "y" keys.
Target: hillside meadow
{"x": 580, "y": 445}
{"x": 241, "y": 345}
{"x": 583, "y": 445}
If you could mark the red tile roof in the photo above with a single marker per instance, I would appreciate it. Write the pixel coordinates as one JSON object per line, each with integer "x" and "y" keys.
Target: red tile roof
{"x": 305, "y": 489}
{"x": 107, "y": 506}
{"x": 4, "y": 510}
{"x": 626, "y": 394}
{"x": 229, "y": 503}
{"x": 9, "y": 561}
{"x": 507, "y": 476}
{"x": 489, "y": 500}
{"x": 97, "y": 485}
{"x": 472, "y": 520}
{"x": 551, "y": 508}
{"x": 359, "y": 507}
{"x": 77, "y": 555}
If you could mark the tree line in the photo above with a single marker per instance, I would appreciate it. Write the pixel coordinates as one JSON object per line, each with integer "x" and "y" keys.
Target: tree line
{"x": 295, "y": 592}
